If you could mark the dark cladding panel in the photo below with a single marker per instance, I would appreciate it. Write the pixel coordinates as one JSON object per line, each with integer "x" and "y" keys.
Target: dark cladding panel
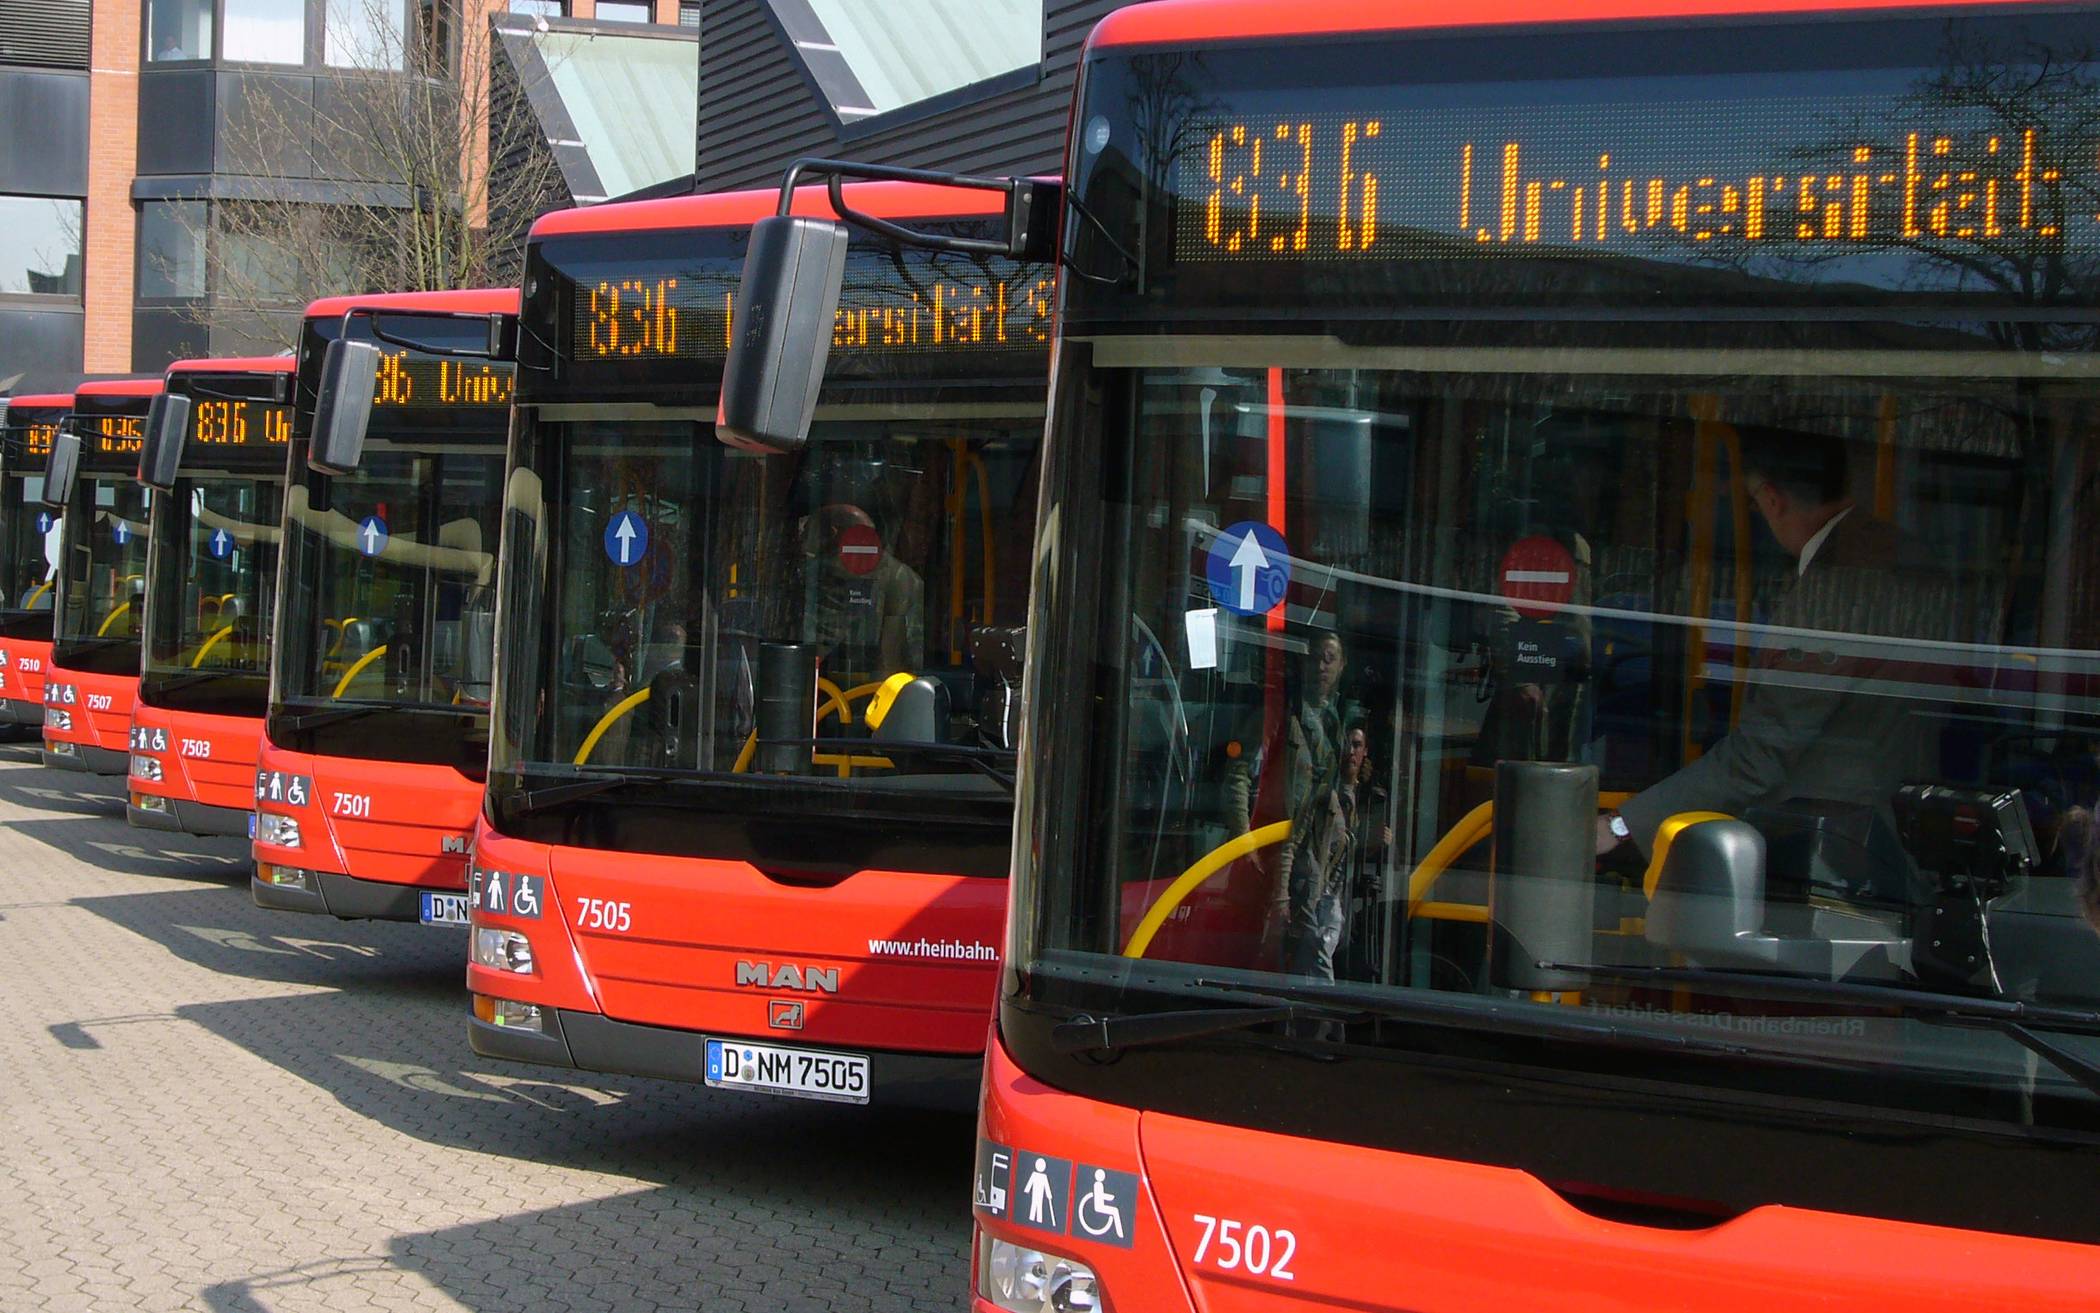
{"x": 44, "y": 34}
{"x": 266, "y": 124}
{"x": 52, "y": 159}
{"x": 176, "y": 121}
{"x": 760, "y": 110}
{"x": 162, "y": 336}
{"x": 43, "y": 345}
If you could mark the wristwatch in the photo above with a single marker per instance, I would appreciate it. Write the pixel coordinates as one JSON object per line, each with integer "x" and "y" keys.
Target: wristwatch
{"x": 1616, "y": 823}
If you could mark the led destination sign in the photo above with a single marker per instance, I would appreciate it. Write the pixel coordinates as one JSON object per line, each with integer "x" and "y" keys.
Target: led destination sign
{"x": 1842, "y": 182}
{"x": 114, "y": 435}
{"x": 408, "y": 381}
{"x": 37, "y": 436}
{"x": 892, "y": 302}
{"x": 226, "y": 422}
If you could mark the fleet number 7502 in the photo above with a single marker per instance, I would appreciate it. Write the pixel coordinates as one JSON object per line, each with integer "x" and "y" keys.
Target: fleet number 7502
{"x": 1246, "y": 1247}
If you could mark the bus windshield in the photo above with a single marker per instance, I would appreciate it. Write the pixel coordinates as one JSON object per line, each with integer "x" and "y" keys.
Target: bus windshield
{"x": 1574, "y": 670}
{"x": 102, "y": 584}
{"x": 213, "y": 562}
{"x": 389, "y": 571}
{"x": 816, "y": 650}
{"x": 28, "y": 528}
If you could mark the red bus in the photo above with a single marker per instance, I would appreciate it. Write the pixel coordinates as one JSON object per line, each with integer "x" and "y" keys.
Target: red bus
{"x": 749, "y": 794}
{"x": 377, "y": 737}
{"x": 1562, "y": 702}
{"x": 214, "y": 457}
{"x": 93, "y": 676}
{"x": 28, "y": 554}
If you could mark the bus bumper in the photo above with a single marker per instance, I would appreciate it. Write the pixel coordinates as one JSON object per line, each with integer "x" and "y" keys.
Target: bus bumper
{"x": 152, "y": 811}
{"x": 326, "y": 893}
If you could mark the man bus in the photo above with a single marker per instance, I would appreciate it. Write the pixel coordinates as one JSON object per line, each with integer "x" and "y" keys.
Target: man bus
{"x": 749, "y": 794}
{"x": 93, "y": 677}
{"x": 28, "y": 555}
{"x": 370, "y": 773}
{"x": 214, "y": 458}
{"x": 1697, "y": 384}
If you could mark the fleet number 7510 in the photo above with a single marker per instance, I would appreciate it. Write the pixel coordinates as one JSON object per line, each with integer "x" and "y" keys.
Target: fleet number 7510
{"x": 1246, "y": 1247}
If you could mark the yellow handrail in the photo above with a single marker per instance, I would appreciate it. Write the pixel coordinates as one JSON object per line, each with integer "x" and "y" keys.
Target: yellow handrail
{"x": 1471, "y": 829}
{"x": 606, "y": 722}
{"x": 209, "y": 644}
{"x": 833, "y": 697}
{"x": 356, "y": 668}
{"x": 111, "y": 618}
{"x": 35, "y": 593}
{"x": 744, "y": 755}
{"x": 1187, "y": 882}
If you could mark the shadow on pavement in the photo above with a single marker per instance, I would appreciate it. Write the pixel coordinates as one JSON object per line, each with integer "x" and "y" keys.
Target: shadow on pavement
{"x": 756, "y": 1202}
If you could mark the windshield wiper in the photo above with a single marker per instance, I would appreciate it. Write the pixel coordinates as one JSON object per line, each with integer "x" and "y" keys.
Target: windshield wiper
{"x": 330, "y": 716}
{"x": 985, "y": 761}
{"x": 2018, "y": 1021}
{"x": 526, "y": 801}
{"x": 1085, "y": 1034}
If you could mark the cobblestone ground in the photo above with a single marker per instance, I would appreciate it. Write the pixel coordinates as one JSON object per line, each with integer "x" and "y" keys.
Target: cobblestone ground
{"x": 206, "y": 1106}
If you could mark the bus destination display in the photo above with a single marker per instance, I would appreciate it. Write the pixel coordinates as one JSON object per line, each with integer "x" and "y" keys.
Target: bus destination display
{"x": 227, "y": 422}
{"x": 37, "y": 436}
{"x": 410, "y": 381}
{"x": 892, "y": 302}
{"x": 114, "y": 435}
{"x": 1802, "y": 180}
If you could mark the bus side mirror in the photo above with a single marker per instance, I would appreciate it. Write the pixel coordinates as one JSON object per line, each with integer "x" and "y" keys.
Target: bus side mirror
{"x": 160, "y": 456}
{"x": 785, "y": 309}
{"x": 349, "y": 379}
{"x": 62, "y": 467}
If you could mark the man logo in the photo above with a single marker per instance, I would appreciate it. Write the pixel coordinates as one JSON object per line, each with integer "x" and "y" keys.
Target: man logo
{"x": 784, "y": 1014}
{"x": 453, "y": 843}
{"x": 810, "y": 980}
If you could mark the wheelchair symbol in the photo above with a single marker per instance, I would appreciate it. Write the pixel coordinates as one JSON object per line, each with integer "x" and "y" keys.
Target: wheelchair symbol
{"x": 1097, "y": 1213}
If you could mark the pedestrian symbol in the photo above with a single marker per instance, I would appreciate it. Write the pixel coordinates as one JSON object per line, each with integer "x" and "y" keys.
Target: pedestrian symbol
{"x": 1249, "y": 569}
{"x": 626, "y": 538}
{"x": 493, "y": 900}
{"x": 122, "y": 533}
{"x": 371, "y": 535}
{"x": 1104, "y": 1206}
{"x": 1045, "y": 1187}
{"x": 220, "y": 544}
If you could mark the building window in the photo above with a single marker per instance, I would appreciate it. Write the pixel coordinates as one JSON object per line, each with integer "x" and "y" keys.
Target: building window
{"x": 178, "y": 29}
{"x": 624, "y": 11}
{"x": 171, "y": 250}
{"x": 367, "y": 34}
{"x": 265, "y": 32}
{"x": 39, "y": 246}
{"x": 689, "y": 14}
{"x": 541, "y": 8}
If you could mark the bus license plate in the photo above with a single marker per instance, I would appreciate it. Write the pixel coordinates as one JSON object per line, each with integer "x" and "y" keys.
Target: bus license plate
{"x": 799, "y": 1073}
{"x": 444, "y": 909}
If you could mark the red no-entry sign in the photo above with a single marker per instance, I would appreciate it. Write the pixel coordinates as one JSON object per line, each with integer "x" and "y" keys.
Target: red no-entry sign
{"x": 1537, "y": 576}
{"x": 860, "y": 549}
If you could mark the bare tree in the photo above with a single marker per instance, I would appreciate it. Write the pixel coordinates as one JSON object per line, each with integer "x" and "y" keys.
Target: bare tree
{"x": 401, "y": 173}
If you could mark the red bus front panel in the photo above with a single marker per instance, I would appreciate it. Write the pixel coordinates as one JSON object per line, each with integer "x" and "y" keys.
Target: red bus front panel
{"x": 87, "y": 720}
{"x": 191, "y": 771}
{"x": 884, "y": 960}
{"x": 22, "y": 665}
{"x": 378, "y": 833}
{"x": 1229, "y": 1220}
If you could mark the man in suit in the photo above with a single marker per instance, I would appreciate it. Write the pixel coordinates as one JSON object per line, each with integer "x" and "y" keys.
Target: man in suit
{"x": 1820, "y": 720}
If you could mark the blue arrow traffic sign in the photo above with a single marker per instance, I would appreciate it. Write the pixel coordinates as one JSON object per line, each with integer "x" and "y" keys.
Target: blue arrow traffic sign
{"x": 371, "y": 535}
{"x": 220, "y": 544}
{"x": 626, "y": 538}
{"x": 43, "y": 521}
{"x": 122, "y": 533}
{"x": 1249, "y": 568}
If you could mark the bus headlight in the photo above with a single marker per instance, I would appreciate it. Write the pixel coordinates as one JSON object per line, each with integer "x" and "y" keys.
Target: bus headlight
{"x": 284, "y": 877}
{"x": 503, "y": 950}
{"x": 277, "y": 831}
{"x": 1027, "y": 1280}
{"x": 145, "y": 768}
{"x": 58, "y": 718}
{"x": 508, "y": 1013}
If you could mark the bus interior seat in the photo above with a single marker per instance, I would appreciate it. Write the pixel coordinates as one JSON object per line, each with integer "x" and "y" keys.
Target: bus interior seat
{"x": 918, "y": 714}
{"x": 359, "y": 638}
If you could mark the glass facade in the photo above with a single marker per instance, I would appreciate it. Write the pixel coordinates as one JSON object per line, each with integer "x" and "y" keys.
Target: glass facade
{"x": 178, "y": 30}
{"x": 40, "y": 246}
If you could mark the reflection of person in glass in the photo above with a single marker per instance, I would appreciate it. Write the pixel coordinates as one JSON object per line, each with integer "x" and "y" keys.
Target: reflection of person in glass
{"x": 1813, "y": 724}
{"x": 1328, "y": 842}
{"x": 866, "y": 620}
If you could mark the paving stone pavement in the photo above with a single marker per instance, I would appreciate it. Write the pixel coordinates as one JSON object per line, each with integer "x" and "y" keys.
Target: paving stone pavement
{"x": 205, "y": 1106}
